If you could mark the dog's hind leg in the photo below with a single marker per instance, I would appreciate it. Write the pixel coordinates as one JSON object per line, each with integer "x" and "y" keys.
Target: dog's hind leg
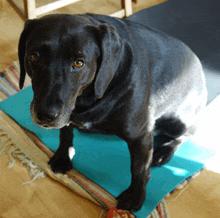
{"x": 141, "y": 152}
{"x": 172, "y": 134}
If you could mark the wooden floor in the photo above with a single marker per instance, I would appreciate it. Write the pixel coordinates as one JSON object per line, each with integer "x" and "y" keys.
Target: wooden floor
{"x": 11, "y": 25}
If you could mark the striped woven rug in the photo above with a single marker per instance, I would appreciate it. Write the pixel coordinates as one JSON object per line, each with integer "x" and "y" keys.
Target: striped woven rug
{"x": 9, "y": 81}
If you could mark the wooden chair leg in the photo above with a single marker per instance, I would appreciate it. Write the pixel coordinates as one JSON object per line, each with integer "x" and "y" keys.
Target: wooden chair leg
{"x": 127, "y": 5}
{"x": 30, "y": 9}
{"x": 17, "y": 8}
{"x": 31, "y": 12}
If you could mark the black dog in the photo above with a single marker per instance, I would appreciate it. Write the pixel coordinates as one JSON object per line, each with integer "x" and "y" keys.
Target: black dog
{"x": 112, "y": 76}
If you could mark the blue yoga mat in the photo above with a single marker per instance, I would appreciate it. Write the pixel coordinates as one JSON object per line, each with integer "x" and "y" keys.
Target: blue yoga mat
{"x": 106, "y": 160}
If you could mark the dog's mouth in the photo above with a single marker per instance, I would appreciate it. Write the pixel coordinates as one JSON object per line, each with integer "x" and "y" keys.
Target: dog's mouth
{"x": 51, "y": 125}
{"x": 57, "y": 124}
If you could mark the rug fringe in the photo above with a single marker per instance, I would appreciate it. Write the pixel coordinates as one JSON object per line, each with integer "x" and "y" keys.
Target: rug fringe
{"x": 16, "y": 153}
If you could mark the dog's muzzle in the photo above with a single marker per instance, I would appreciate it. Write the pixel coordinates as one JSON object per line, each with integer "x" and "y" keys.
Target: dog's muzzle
{"x": 50, "y": 118}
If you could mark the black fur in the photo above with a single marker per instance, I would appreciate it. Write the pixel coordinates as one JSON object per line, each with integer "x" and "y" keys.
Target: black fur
{"x": 134, "y": 82}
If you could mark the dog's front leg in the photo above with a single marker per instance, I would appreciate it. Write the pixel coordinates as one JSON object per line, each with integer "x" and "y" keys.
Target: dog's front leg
{"x": 61, "y": 162}
{"x": 141, "y": 151}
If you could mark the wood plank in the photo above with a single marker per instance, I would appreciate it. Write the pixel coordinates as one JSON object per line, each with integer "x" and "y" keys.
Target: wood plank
{"x": 119, "y": 14}
{"x": 31, "y": 9}
{"x": 17, "y": 8}
{"x": 53, "y": 6}
{"x": 128, "y": 8}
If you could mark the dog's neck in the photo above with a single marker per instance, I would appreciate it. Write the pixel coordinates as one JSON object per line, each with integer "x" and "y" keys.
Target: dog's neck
{"x": 86, "y": 99}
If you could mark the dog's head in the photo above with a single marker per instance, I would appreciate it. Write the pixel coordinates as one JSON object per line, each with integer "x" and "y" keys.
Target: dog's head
{"x": 63, "y": 54}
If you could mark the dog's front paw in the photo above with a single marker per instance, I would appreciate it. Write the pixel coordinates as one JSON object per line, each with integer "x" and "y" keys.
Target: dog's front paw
{"x": 60, "y": 164}
{"x": 131, "y": 199}
{"x": 162, "y": 155}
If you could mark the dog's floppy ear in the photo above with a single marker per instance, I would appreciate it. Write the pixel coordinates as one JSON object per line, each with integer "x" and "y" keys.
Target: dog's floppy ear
{"x": 111, "y": 55}
{"x": 21, "y": 49}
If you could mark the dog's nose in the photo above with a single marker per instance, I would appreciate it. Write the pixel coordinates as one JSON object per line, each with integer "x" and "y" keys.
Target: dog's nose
{"x": 47, "y": 116}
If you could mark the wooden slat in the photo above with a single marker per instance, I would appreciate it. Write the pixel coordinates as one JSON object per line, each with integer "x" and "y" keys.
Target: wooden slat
{"x": 31, "y": 12}
{"x": 120, "y": 13}
{"x": 18, "y": 9}
{"x": 31, "y": 9}
{"x": 53, "y": 6}
{"x": 128, "y": 8}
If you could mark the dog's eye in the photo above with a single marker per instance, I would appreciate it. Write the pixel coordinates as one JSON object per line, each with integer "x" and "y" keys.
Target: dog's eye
{"x": 34, "y": 57}
{"x": 78, "y": 64}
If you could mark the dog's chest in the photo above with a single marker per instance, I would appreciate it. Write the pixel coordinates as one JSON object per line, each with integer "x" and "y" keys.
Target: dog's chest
{"x": 87, "y": 125}
{"x": 82, "y": 125}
